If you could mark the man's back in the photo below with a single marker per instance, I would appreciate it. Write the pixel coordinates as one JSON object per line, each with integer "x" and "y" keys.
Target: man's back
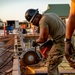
{"x": 54, "y": 23}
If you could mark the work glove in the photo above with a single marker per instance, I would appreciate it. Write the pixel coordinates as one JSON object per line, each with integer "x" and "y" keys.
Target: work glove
{"x": 34, "y": 44}
{"x": 68, "y": 48}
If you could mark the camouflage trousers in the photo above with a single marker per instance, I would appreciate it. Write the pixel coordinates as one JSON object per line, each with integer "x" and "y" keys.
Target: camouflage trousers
{"x": 55, "y": 57}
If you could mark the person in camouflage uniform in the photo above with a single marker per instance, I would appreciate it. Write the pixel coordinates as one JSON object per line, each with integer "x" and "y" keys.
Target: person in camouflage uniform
{"x": 49, "y": 24}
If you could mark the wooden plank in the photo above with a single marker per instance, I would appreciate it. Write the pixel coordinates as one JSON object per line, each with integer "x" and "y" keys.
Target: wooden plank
{"x": 16, "y": 66}
{"x": 61, "y": 70}
{"x": 67, "y": 71}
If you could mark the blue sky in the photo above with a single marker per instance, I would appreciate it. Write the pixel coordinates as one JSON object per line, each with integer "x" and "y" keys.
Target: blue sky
{"x": 15, "y": 9}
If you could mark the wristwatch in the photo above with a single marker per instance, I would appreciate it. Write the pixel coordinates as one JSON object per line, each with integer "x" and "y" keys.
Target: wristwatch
{"x": 67, "y": 40}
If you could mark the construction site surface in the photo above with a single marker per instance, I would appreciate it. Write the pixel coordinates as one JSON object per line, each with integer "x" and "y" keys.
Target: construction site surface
{"x": 10, "y": 61}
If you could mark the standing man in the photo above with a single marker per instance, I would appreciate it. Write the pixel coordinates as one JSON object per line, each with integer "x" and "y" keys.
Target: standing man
{"x": 50, "y": 24}
{"x": 70, "y": 29}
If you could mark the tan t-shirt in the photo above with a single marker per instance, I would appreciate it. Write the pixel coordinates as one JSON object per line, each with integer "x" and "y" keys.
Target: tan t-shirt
{"x": 54, "y": 23}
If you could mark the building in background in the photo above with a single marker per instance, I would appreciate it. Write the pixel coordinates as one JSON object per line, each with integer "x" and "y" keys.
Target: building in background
{"x": 62, "y": 10}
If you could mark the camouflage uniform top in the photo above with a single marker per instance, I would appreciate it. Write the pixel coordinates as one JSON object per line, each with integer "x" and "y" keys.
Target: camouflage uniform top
{"x": 54, "y": 23}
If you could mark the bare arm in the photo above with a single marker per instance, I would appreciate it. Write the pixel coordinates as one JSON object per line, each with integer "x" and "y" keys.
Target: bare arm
{"x": 71, "y": 22}
{"x": 44, "y": 32}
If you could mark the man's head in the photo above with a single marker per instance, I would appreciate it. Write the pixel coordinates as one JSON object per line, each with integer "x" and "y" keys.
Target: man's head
{"x": 33, "y": 16}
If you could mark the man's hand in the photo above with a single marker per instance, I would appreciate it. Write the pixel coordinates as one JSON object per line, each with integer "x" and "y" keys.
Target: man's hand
{"x": 34, "y": 44}
{"x": 68, "y": 48}
{"x": 70, "y": 53}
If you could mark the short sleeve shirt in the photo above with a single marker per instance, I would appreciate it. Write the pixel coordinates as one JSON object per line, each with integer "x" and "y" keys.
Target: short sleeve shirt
{"x": 72, "y": 9}
{"x": 54, "y": 23}
{"x": 73, "y": 0}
